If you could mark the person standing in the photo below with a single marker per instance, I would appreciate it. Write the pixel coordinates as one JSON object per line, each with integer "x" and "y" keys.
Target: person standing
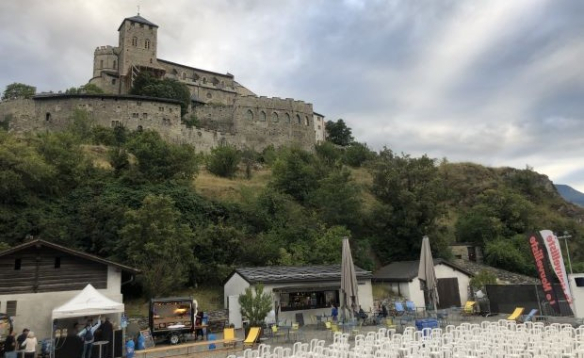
{"x": 107, "y": 335}
{"x": 88, "y": 337}
{"x": 335, "y": 313}
{"x": 30, "y": 344}
{"x": 22, "y": 337}
{"x": 10, "y": 345}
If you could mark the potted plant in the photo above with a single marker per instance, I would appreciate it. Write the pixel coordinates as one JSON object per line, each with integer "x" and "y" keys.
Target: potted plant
{"x": 255, "y": 305}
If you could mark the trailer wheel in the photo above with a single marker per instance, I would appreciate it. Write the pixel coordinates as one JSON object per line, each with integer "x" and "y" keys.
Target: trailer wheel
{"x": 174, "y": 338}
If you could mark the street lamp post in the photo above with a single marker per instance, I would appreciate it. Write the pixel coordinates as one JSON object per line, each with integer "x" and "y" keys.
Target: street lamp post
{"x": 566, "y": 236}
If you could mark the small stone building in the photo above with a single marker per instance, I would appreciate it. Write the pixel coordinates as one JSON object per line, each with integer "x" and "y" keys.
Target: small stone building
{"x": 38, "y": 276}
{"x": 401, "y": 277}
{"x": 305, "y": 291}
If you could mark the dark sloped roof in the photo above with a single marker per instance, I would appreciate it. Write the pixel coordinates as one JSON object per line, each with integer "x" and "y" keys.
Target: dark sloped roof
{"x": 128, "y": 97}
{"x": 139, "y": 19}
{"x": 69, "y": 251}
{"x": 296, "y": 273}
{"x": 405, "y": 271}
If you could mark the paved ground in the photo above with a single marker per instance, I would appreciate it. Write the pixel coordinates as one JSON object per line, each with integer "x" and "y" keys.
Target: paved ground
{"x": 310, "y": 332}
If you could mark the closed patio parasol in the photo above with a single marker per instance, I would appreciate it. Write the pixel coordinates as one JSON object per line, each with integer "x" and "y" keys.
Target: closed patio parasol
{"x": 426, "y": 272}
{"x": 348, "y": 279}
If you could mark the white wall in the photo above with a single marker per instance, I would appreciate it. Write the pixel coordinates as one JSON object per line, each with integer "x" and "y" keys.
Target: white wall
{"x": 236, "y": 285}
{"x": 577, "y": 294}
{"x": 445, "y": 271}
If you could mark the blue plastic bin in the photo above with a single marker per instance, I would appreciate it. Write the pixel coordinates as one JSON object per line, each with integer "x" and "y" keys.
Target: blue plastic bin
{"x": 426, "y": 323}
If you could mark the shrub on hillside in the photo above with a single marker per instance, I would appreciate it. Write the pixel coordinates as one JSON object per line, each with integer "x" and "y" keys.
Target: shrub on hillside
{"x": 223, "y": 161}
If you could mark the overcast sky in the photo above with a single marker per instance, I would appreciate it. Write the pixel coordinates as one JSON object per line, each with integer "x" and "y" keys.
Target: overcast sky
{"x": 500, "y": 83}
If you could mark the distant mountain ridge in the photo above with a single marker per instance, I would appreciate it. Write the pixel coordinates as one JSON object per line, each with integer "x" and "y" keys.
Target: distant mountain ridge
{"x": 570, "y": 194}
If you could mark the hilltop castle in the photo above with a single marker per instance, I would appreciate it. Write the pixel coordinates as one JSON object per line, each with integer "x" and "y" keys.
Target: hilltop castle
{"x": 228, "y": 112}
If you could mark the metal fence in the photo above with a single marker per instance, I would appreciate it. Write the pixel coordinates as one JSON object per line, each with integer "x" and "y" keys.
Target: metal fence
{"x": 505, "y": 298}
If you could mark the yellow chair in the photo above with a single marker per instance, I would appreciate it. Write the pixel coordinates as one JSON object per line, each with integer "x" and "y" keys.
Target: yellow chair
{"x": 390, "y": 324}
{"x": 252, "y": 336}
{"x": 469, "y": 308}
{"x": 229, "y": 337}
{"x": 516, "y": 314}
{"x": 295, "y": 332}
{"x": 275, "y": 332}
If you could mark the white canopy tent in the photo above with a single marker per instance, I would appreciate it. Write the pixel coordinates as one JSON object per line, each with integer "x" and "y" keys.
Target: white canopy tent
{"x": 89, "y": 302}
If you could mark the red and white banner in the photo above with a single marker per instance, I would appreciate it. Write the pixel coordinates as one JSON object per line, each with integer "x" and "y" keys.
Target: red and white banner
{"x": 540, "y": 258}
{"x": 554, "y": 251}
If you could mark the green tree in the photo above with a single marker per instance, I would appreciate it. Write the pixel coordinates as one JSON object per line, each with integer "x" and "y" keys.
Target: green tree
{"x": 296, "y": 173}
{"x": 328, "y": 153}
{"x": 147, "y": 85}
{"x": 255, "y": 304}
{"x": 159, "y": 160}
{"x": 18, "y": 90}
{"x": 89, "y": 88}
{"x": 337, "y": 199}
{"x": 223, "y": 161}
{"x": 81, "y": 125}
{"x": 339, "y": 133}
{"x": 159, "y": 244}
{"x": 409, "y": 193}
{"x": 357, "y": 154}
{"x": 483, "y": 278}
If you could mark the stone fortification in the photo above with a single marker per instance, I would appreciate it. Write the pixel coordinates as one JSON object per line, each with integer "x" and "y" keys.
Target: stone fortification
{"x": 227, "y": 111}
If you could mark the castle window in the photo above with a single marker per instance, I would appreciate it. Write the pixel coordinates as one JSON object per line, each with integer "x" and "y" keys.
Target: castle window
{"x": 47, "y": 116}
{"x": 115, "y": 65}
{"x": 249, "y": 115}
{"x": 262, "y": 116}
{"x": 140, "y": 128}
{"x": 184, "y": 76}
{"x": 113, "y": 81}
{"x": 275, "y": 118}
{"x": 144, "y": 115}
{"x": 150, "y": 27}
{"x": 161, "y": 109}
{"x": 139, "y": 103}
{"x": 204, "y": 80}
{"x": 306, "y": 121}
{"x": 150, "y": 60}
{"x": 100, "y": 63}
{"x": 318, "y": 127}
{"x": 135, "y": 115}
{"x": 298, "y": 119}
{"x": 209, "y": 95}
{"x": 287, "y": 117}
{"x": 147, "y": 44}
{"x": 134, "y": 41}
{"x": 215, "y": 81}
{"x": 113, "y": 123}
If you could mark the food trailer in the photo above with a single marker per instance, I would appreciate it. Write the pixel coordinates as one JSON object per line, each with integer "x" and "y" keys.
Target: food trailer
{"x": 172, "y": 317}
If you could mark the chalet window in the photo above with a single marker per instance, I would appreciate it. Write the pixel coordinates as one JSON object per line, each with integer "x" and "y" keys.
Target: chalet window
{"x": 11, "y": 308}
{"x": 57, "y": 262}
{"x": 17, "y": 264}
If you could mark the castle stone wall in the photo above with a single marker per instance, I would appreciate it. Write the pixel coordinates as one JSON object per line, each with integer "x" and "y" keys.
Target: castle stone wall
{"x": 20, "y": 113}
{"x": 263, "y": 121}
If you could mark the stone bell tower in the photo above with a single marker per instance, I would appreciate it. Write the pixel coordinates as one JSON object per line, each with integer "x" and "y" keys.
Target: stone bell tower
{"x": 138, "y": 45}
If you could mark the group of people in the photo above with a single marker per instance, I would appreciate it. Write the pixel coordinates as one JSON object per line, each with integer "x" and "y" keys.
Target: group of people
{"x": 26, "y": 341}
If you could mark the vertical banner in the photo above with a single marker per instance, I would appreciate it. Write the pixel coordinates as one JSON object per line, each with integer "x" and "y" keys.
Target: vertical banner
{"x": 541, "y": 264}
{"x": 557, "y": 261}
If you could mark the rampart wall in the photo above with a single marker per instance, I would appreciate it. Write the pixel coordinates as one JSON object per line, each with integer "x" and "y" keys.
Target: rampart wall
{"x": 232, "y": 123}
